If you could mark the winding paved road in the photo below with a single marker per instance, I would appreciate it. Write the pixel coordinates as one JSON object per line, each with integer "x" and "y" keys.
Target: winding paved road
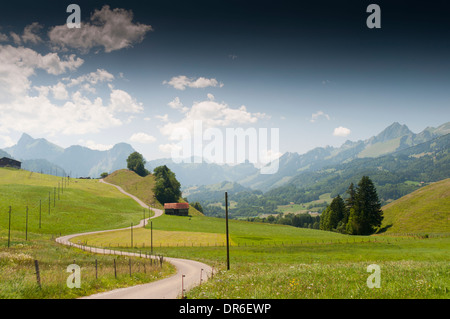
{"x": 189, "y": 273}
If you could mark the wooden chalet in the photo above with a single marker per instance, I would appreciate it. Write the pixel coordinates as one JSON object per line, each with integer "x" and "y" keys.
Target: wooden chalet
{"x": 9, "y": 162}
{"x": 180, "y": 209}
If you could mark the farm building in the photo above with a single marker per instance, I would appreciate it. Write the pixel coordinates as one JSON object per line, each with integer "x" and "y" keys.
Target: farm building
{"x": 180, "y": 209}
{"x": 8, "y": 162}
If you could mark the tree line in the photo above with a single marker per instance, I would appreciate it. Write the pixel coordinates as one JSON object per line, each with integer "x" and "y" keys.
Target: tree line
{"x": 359, "y": 214}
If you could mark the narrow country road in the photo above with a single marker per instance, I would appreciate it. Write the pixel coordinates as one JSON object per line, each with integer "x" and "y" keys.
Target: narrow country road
{"x": 189, "y": 273}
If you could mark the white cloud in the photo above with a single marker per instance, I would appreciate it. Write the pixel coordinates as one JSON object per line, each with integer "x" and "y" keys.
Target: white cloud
{"x": 181, "y": 82}
{"x": 142, "y": 138}
{"x": 58, "y": 90}
{"x": 341, "y": 131}
{"x": 169, "y": 148}
{"x": 163, "y": 118}
{"x": 29, "y": 35}
{"x": 121, "y": 101}
{"x": 96, "y": 146}
{"x": 212, "y": 114}
{"x": 317, "y": 115}
{"x": 18, "y": 64}
{"x": 177, "y": 105}
{"x": 93, "y": 78}
{"x": 77, "y": 115}
{"x": 110, "y": 29}
{"x": 7, "y": 141}
{"x": 16, "y": 38}
{"x": 3, "y": 37}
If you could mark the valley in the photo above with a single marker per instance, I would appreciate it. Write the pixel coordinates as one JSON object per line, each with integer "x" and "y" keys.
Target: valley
{"x": 410, "y": 247}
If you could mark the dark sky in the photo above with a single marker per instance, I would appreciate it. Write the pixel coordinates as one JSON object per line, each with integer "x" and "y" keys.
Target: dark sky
{"x": 293, "y": 59}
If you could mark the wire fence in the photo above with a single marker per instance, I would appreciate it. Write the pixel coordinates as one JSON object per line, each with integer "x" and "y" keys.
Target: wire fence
{"x": 51, "y": 274}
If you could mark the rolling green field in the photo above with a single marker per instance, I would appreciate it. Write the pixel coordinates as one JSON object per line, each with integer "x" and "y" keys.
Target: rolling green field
{"x": 303, "y": 263}
{"x": 426, "y": 210}
{"x": 267, "y": 260}
{"x": 85, "y": 205}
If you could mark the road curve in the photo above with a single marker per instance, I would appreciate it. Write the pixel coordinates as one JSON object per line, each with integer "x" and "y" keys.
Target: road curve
{"x": 189, "y": 273}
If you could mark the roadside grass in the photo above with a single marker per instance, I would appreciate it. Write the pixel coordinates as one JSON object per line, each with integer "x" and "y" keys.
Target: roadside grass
{"x": 342, "y": 280}
{"x": 18, "y": 278}
{"x": 409, "y": 268}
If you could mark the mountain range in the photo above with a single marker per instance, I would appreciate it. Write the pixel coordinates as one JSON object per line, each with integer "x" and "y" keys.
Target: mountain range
{"x": 392, "y": 139}
{"x": 42, "y": 156}
{"x": 39, "y": 155}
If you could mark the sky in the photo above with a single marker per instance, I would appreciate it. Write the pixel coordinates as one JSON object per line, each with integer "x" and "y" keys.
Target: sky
{"x": 138, "y": 71}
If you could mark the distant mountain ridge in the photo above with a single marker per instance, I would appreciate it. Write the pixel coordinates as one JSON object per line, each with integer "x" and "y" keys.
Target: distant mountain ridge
{"x": 40, "y": 155}
{"x": 392, "y": 139}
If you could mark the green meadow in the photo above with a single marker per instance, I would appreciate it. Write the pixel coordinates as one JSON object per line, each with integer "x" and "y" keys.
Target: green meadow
{"x": 267, "y": 260}
{"x": 276, "y": 261}
{"x": 85, "y": 205}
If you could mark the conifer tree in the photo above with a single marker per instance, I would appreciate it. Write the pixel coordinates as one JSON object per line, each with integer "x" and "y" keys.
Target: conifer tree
{"x": 367, "y": 207}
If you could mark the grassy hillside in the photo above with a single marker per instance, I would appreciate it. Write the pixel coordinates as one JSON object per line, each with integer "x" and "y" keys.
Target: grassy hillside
{"x": 85, "y": 205}
{"x": 141, "y": 187}
{"x": 426, "y": 210}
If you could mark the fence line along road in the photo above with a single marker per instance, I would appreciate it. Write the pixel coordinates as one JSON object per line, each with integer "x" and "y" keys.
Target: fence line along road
{"x": 194, "y": 272}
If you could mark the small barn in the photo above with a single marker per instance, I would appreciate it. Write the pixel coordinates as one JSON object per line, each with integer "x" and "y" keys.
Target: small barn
{"x": 180, "y": 209}
{"x": 9, "y": 162}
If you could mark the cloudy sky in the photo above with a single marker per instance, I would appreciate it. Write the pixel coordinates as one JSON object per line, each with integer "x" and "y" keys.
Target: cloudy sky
{"x": 137, "y": 70}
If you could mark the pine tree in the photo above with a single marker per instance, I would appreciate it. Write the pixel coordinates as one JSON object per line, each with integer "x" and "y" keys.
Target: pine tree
{"x": 367, "y": 207}
{"x": 350, "y": 201}
{"x": 334, "y": 214}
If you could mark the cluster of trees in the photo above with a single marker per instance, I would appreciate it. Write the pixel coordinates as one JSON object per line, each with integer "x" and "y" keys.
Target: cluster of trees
{"x": 167, "y": 188}
{"x": 359, "y": 214}
{"x": 136, "y": 163}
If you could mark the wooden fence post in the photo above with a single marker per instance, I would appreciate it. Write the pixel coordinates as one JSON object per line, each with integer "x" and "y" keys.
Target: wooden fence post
{"x": 38, "y": 275}
{"x": 130, "y": 266}
{"x": 9, "y": 227}
{"x": 40, "y": 212}
{"x": 26, "y": 225}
